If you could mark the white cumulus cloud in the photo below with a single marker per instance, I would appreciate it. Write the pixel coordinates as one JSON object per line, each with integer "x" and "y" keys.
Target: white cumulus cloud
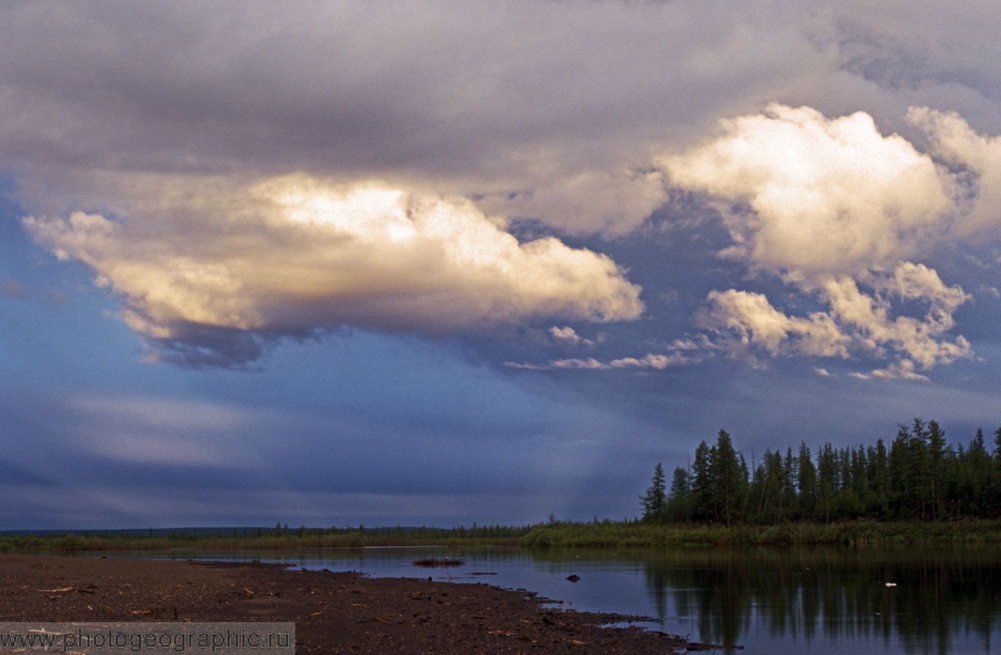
{"x": 824, "y": 195}
{"x": 855, "y": 323}
{"x": 955, "y": 142}
{"x": 307, "y": 256}
{"x": 680, "y": 352}
{"x": 574, "y": 362}
{"x": 656, "y": 361}
{"x": 837, "y": 210}
{"x": 751, "y": 324}
{"x": 568, "y": 336}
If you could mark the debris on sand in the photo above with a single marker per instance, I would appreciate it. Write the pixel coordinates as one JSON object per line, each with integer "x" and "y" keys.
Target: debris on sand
{"x": 431, "y": 562}
{"x": 333, "y": 612}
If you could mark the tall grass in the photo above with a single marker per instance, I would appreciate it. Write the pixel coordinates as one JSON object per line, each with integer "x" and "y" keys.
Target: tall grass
{"x": 605, "y": 534}
{"x": 271, "y": 539}
{"x": 853, "y": 533}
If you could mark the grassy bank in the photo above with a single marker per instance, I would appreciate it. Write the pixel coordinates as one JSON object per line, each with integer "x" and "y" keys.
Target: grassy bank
{"x": 853, "y": 533}
{"x": 607, "y": 534}
{"x": 295, "y": 539}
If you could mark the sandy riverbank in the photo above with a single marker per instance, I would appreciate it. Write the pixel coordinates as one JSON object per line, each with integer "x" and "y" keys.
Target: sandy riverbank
{"x": 333, "y": 612}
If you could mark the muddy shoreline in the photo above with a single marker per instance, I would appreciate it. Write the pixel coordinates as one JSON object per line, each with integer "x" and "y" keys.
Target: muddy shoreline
{"x": 333, "y": 612}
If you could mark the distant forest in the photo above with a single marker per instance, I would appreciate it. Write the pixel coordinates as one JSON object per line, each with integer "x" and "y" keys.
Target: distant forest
{"x": 918, "y": 477}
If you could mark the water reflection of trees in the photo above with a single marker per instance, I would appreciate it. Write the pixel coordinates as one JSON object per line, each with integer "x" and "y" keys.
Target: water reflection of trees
{"x": 840, "y": 593}
{"x": 811, "y": 594}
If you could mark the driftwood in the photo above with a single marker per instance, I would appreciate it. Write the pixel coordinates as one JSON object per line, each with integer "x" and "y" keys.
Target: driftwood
{"x": 431, "y": 562}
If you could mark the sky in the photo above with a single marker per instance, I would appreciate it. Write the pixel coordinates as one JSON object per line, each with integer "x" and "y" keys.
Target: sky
{"x": 431, "y": 263}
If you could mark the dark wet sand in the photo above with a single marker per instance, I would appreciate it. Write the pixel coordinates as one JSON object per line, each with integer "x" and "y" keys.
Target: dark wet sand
{"x": 333, "y": 612}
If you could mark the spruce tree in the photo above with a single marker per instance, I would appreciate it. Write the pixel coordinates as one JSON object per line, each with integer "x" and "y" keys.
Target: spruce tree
{"x": 702, "y": 482}
{"x": 807, "y": 482}
{"x": 728, "y": 476}
{"x": 678, "y": 503}
{"x": 936, "y": 463}
{"x": 655, "y": 499}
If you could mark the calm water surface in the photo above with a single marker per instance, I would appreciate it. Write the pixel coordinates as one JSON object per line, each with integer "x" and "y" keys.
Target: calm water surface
{"x": 824, "y": 600}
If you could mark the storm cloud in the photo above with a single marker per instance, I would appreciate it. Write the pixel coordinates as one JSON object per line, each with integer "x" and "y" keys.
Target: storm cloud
{"x": 151, "y": 144}
{"x": 488, "y": 262}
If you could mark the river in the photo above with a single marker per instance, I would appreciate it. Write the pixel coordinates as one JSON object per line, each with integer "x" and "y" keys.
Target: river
{"x": 942, "y": 600}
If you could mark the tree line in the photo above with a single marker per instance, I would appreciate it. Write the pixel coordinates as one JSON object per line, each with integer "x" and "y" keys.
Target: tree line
{"x": 918, "y": 477}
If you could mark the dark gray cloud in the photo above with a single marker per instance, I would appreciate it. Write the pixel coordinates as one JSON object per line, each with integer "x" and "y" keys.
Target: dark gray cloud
{"x": 547, "y": 101}
{"x": 917, "y": 46}
{"x": 163, "y": 118}
{"x": 516, "y": 97}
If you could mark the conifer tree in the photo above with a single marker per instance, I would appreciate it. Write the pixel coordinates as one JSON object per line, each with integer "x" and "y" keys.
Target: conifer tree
{"x": 728, "y": 476}
{"x": 655, "y": 499}
{"x": 918, "y": 476}
{"x": 807, "y": 481}
{"x": 702, "y": 482}
{"x": 790, "y": 478}
{"x": 936, "y": 465}
{"x": 678, "y": 502}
